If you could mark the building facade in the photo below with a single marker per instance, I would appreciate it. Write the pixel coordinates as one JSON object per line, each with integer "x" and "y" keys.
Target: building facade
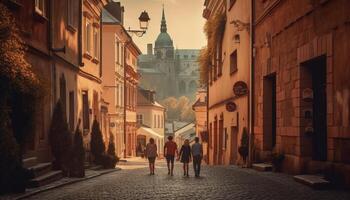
{"x": 150, "y": 119}
{"x": 89, "y": 76}
{"x": 114, "y": 37}
{"x": 228, "y": 80}
{"x": 301, "y": 85}
{"x": 131, "y": 52}
{"x": 200, "y": 110}
{"x": 169, "y": 71}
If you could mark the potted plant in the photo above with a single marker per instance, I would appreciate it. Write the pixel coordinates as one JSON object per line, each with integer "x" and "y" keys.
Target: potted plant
{"x": 244, "y": 148}
{"x": 277, "y": 160}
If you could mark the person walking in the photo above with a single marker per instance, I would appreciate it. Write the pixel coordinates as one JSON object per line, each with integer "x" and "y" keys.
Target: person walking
{"x": 151, "y": 154}
{"x": 170, "y": 149}
{"x": 197, "y": 155}
{"x": 185, "y": 155}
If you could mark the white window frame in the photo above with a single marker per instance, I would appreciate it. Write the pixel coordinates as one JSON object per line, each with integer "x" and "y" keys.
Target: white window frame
{"x": 40, "y": 7}
{"x": 96, "y": 43}
{"x": 87, "y": 41}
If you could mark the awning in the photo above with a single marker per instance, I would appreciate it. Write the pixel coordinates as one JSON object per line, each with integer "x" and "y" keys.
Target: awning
{"x": 148, "y": 131}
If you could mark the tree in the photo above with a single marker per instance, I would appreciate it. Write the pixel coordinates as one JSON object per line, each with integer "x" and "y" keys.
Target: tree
{"x": 111, "y": 146}
{"x": 21, "y": 87}
{"x": 179, "y": 109}
{"x": 78, "y": 154}
{"x": 12, "y": 175}
{"x": 60, "y": 139}
{"x": 96, "y": 142}
{"x": 244, "y": 148}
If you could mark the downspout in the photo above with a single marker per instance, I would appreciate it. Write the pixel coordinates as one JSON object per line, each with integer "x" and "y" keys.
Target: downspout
{"x": 80, "y": 35}
{"x": 124, "y": 110}
{"x": 251, "y": 86}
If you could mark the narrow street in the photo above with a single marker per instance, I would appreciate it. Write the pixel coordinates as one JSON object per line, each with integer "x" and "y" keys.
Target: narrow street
{"x": 230, "y": 182}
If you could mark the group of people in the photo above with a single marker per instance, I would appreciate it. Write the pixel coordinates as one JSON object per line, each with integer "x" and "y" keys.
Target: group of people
{"x": 186, "y": 155}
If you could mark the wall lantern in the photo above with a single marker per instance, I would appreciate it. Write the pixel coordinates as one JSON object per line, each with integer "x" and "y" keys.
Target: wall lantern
{"x": 144, "y": 19}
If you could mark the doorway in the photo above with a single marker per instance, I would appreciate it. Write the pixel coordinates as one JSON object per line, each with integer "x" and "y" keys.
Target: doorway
{"x": 221, "y": 141}
{"x": 233, "y": 156}
{"x": 269, "y": 112}
{"x": 317, "y": 71}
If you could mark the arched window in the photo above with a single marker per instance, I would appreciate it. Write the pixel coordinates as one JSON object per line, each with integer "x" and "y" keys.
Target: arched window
{"x": 182, "y": 87}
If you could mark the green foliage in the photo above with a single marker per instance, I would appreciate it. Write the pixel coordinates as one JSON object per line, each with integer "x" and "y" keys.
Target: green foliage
{"x": 204, "y": 61}
{"x": 12, "y": 176}
{"x": 179, "y": 109}
{"x": 60, "y": 139}
{"x": 96, "y": 142}
{"x": 214, "y": 30}
{"x": 108, "y": 161}
{"x": 244, "y": 148}
{"x": 78, "y": 155}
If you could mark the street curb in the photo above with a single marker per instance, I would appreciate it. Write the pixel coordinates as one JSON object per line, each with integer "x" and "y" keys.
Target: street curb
{"x": 29, "y": 194}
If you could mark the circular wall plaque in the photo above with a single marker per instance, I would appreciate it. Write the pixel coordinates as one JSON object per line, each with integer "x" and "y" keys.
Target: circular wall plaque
{"x": 240, "y": 88}
{"x": 231, "y": 107}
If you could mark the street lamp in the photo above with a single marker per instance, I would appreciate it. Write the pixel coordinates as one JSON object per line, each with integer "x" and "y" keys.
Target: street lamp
{"x": 144, "y": 19}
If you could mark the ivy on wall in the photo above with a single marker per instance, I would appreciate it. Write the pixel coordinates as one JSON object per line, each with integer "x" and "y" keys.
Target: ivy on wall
{"x": 214, "y": 30}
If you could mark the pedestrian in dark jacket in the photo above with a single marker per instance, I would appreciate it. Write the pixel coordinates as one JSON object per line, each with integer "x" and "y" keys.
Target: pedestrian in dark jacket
{"x": 185, "y": 155}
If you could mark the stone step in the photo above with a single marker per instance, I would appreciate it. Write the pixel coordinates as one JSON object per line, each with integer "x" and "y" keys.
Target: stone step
{"x": 41, "y": 169}
{"x": 262, "y": 167}
{"x": 314, "y": 181}
{"x": 96, "y": 167}
{"x": 45, "y": 179}
{"x": 29, "y": 162}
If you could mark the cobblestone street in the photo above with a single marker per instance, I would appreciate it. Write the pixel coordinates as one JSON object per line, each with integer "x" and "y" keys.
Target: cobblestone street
{"x": 134, "y": 182}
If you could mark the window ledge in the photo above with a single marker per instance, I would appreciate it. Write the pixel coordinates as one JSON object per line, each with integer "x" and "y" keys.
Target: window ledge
{"x": 71, "y": 29}
{"x": 87, "y": 55}
{"x": 40, "y": 17}
{"x": 95, "y": 60}
{"x": 233, "y": 72}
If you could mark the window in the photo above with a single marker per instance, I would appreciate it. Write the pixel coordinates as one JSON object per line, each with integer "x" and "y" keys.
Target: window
{"x": 219, "y": 58}
{"x": 87, "y": 40}
{"x": 63, "y": 95}
{"x": 117, "y": 46}
{"x": 86, "y": 120}
{"x": 139, "y": 119}
{"x": 71, "y": 110}
{"x": 158, "y": 121}
{"x": 117, "y": 95}
{"x": 155, "y": 121}
{"x": 96, "y": 44}
{"x": 233, "y": 62}
{"x": 71, "y": 20}
{"x": 225, "y": 139}
{"x": 40, "y": 7}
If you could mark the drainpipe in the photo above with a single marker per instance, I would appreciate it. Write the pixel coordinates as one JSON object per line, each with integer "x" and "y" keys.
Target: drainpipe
{"x": 251, "y": 86}
{"x": 80, "y": 35}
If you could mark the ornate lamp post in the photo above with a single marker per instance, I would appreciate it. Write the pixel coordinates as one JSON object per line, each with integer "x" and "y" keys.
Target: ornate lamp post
{"x": 144, "y": 19}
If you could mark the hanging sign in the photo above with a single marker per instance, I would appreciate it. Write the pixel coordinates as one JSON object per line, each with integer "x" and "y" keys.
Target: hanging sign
{"x": 231, "y": 107}
{"x": 240, "y": 88}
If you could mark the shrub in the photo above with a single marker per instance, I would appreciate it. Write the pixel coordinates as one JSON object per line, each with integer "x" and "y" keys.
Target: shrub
{"x": 277, "y": 160}
{"x": 12, "y": 176}
{"x": 78, "y": 155}
{"x": 60, "y": 139}
{"x": 108, "y": 161}
{"x": 96, "y": 142}
{"x": 111, "y": 146}
{"x": 244, "y": 148}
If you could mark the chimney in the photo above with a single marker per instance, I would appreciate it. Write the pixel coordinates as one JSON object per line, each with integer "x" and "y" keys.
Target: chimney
{"x": 149, "y": 49}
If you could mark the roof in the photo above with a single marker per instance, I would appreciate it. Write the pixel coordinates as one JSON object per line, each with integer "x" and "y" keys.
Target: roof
{"x": 143, "y": 130}
{"x": 108, "y": 17}
{"x": 186, "y": 132}
{"x": 164, "y": 40}
{"x": 200, "y": 103}
{"x": 185, "y": 129}
{"x": 149, "y": 70}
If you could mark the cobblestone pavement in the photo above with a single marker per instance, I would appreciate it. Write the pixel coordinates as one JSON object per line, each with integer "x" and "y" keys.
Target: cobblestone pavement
{"x": 134, "y": 182}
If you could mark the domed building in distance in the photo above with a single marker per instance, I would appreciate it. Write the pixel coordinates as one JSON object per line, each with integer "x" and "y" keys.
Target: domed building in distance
{"x": 169, "y": 71}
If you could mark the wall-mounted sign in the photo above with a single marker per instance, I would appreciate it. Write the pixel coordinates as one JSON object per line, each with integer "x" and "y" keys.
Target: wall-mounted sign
{"x": 307, "y": 95}
{"x": 240, "y": 88}
{"x": 231, "y": 107}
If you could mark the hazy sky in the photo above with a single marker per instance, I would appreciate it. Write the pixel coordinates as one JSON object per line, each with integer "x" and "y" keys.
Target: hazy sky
{"x": 184, "y": 20}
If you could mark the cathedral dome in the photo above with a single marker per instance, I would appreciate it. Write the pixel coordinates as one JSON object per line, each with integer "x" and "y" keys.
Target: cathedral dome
{"x": 164, "y": 40}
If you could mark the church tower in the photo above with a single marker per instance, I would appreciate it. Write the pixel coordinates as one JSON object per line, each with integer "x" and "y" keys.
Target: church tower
{"x": 164, "y": 47}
